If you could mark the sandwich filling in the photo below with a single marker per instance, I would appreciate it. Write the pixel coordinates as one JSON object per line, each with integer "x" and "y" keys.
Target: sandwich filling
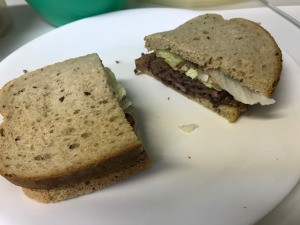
{"x": 178, "y": 80}
{"x": 120, "y": 94}
{"x": 118, "y": 90}
{"x": 190, "y": 79}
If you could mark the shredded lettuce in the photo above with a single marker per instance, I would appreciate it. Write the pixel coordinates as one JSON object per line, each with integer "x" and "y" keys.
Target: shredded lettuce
{"x": 172, "y": 59}
{"x": 190, "y": 69}
{"x": 192, "y": 73}
{"x": 119, "y": 90}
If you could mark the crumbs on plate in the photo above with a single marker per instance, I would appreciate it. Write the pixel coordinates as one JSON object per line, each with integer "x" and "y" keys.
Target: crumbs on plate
{"x": 188, "y": 127}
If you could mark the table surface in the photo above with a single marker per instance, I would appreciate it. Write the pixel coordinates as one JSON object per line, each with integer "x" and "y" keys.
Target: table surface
{"x": 23, "y": 31}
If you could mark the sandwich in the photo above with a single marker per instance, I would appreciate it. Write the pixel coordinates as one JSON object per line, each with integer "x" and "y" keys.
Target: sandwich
{"x": 68, "y": 130}
{"x": 225, "y": 65}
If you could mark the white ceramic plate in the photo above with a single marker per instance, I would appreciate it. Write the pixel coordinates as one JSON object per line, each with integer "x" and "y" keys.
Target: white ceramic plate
{"x": 220, "y": 174}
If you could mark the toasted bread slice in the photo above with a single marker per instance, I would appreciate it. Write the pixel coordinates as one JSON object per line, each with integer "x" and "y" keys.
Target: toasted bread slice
{"x": 62, "y": 125}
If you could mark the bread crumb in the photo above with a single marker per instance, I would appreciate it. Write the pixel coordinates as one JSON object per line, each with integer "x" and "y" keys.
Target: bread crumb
{"x": 117, "y": 61}
{"x": 188, "y": 127}
{"x": 137, "y": 72}
{"x": 25, "y": 71}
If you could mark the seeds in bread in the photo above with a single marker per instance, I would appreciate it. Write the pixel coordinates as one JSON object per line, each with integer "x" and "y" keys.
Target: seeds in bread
{"x": 63, "y": 124}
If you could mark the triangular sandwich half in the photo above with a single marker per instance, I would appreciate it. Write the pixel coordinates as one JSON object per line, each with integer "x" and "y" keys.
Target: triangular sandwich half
{"x": 226, "y": 65}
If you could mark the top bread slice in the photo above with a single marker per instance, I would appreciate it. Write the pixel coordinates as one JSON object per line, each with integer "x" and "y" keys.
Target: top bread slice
{"x": 238, "y": 47}
{"x": 63, "y": 123}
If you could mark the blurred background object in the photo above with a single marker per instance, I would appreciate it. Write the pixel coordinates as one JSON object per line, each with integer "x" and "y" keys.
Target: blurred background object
{"x": 282, "y": 13}
{"x": 193, "y": 3}
{"x": 60, "y": 12}
{"x": 5, "y": 19}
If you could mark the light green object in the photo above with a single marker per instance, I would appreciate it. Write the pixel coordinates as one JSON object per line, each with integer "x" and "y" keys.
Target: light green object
{"x": 172, "y": 59}
{"x": 192, "y": 73}
{"x": 60, "y": 12}
{"x": 119, "y": 90}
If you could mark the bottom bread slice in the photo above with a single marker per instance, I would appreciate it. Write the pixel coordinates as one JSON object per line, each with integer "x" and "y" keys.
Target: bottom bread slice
{"x": 87, "y": 186}
{"x": 231, "y": 113}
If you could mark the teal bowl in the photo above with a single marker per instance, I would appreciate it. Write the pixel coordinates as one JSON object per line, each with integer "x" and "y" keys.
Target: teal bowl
{"x": 60, "y": 12}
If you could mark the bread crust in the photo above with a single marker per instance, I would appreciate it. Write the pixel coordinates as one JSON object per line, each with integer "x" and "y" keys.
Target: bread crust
{"x": 87, "y": 186}
{"x": 238, "y": 47}
{"x": 102, "y": 168}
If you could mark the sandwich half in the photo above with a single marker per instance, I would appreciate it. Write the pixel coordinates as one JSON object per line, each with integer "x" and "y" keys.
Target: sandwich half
{"x": 68, "y": 130}
{"x": 225, "y": 65}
